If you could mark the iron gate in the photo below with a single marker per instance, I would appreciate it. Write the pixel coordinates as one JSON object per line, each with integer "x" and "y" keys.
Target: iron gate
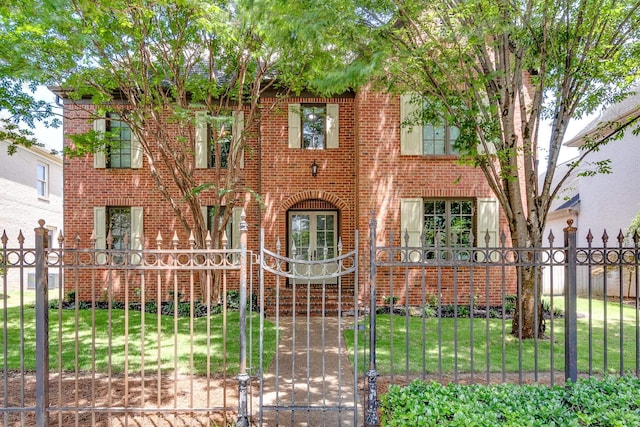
{"x": 311, "y": 378}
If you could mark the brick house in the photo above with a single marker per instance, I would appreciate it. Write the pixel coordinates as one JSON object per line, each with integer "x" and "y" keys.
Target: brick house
{"x": 320, "y": 165}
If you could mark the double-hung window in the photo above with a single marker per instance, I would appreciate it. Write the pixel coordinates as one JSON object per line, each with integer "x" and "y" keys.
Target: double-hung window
{"x": 42, "y": 183}
{"x": 313, "y": 126}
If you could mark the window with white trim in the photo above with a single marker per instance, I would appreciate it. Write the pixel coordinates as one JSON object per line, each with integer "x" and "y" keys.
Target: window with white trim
{"x": 42, "y": 183}
{"x": 313, "y": 126}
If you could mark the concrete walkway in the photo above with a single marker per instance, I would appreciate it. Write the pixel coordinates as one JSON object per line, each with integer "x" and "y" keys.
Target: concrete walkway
{"x": 318, "y": 383}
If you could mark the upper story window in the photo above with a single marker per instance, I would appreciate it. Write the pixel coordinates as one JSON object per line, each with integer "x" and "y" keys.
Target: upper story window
{"x": 123, "y": 149}
{"x": 42, "y": 184}
{"x": 313, "y": 126}
{"x": 429, "y": 139}
{"x": 439, "y": 139}
{"x": 119, "y": 150}
{"x": 424, "y": 139}
{"x": 219, "y": 134}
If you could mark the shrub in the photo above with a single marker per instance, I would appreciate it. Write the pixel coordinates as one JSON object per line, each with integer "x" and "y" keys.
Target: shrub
{"x": 612, "y": 401}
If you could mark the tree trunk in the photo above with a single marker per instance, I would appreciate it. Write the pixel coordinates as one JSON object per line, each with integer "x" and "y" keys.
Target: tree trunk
{"x": 525, "y": 319}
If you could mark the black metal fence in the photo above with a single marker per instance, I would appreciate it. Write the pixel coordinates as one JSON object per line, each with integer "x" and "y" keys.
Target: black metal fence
{"x": 128, "y": 340}
{"x": 446, "y": 313}
{"x": 441, "y": 313}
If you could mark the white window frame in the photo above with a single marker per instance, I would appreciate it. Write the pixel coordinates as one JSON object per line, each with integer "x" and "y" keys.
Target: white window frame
{"x": 42, "y": 183}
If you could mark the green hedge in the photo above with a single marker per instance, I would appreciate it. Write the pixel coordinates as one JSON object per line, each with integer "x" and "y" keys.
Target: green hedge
{"x": 612, "y": 401}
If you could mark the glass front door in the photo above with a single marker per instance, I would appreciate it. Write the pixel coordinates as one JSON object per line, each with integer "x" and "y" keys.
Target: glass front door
{"x": 314, "y": 234}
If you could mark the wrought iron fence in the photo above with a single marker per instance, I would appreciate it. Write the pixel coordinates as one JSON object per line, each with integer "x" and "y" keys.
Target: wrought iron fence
{"x": 117, "y": 350}
{"x": 447, "y": 313}
{"x": 131, "y": 337}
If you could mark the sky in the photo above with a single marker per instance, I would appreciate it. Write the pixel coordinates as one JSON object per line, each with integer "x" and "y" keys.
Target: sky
{"x": 50, "y": 137}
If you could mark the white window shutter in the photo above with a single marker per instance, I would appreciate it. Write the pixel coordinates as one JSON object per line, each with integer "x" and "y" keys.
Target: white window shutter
{"x": 136, "y": 151}
{"x": 411, "y": 222}
{"x": 237, "y": 130}
{"x": 295, "y": 137}
{"x": 235, "y": 227}
{"x": 488, "y": 222}
{"x": 137, "y": 228}
{"x": 100, "y": 231}
{"x": 333, "y": 127}
{"x": 205, "y": 215}
{"x": 99, "y": 157}
{"x": 201, "y": 146}
{"x": 410, "y": 132}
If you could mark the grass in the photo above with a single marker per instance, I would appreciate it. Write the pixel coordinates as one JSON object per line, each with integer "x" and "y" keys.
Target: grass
{"x": 419, "y": 349}
{"x": 118, "y": 340}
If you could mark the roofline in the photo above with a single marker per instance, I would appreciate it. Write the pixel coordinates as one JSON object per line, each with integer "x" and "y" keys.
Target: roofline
{"x": 600, "y": 132}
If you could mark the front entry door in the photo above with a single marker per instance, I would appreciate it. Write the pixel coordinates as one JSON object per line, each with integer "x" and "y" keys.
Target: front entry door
{"x": 314, "y": 234}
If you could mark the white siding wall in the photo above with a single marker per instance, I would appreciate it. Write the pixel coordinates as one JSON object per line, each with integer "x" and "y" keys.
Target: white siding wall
{"x": 20, "y": 206}
{"x": 611, "y": 201}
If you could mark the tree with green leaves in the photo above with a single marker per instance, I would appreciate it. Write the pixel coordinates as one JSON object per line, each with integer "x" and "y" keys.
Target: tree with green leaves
{"x": 166, "y": 65}
{"x": 496, "y": 70}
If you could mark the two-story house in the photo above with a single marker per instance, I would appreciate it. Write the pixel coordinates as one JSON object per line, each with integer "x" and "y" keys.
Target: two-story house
{"x": 30, "y": 190}
{"x": 320, "y": 165}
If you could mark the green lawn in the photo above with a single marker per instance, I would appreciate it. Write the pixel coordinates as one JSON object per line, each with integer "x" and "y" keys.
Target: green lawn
{"x": 119, "y": 338}
{"x": 427, "y": 354}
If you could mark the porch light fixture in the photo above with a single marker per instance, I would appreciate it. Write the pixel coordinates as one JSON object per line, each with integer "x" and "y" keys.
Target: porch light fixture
{"x": 314, "y": 168}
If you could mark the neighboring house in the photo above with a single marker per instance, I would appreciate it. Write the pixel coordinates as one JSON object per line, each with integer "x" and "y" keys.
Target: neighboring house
{"x": 366, "y": 161}
{"x": 602, "y": 201}
{"x": 30, "y": 190}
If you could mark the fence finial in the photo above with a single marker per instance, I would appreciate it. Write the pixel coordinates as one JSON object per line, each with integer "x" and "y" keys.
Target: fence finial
{"x": 192, "y": 240}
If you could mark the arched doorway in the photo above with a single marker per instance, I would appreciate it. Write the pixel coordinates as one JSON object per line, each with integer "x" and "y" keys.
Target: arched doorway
{"x": 312, "y": 229}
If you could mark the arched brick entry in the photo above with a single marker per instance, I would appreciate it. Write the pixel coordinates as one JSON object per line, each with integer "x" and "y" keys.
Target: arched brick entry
{"x": 313, "y": 195}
